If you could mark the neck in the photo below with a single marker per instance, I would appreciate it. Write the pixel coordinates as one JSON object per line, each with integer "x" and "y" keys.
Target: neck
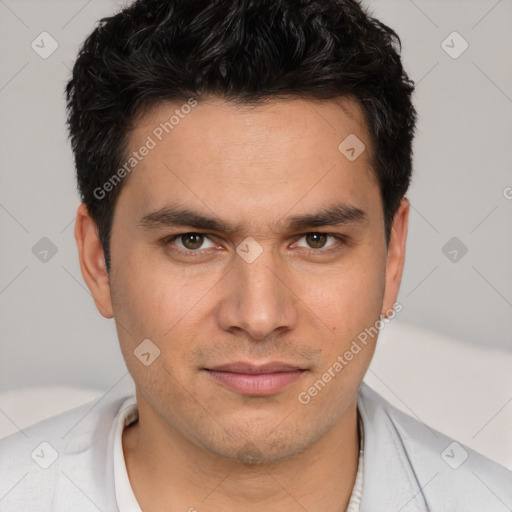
{"x": 168, "y": 472}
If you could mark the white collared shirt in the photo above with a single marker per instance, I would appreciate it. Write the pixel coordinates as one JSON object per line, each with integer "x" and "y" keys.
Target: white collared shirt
{"x": 74, "y": 462}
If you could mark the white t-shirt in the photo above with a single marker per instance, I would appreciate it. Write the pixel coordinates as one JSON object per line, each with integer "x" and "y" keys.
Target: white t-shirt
{"x": 126, "y": 500}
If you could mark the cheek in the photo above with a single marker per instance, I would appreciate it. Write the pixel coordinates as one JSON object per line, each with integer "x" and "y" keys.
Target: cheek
{"x": 349, "y": 303}
{"x": 154, "y": 299}
{"x": 348, "y": 298}
{"x": 168, "y": 305}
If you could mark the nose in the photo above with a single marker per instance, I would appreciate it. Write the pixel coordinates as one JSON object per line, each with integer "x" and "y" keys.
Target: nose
{"x": 258, "y": 298}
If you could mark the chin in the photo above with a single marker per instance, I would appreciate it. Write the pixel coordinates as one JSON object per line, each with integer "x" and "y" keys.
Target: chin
{"x": 263, "y": 447}
{"x": 251, "y": 454}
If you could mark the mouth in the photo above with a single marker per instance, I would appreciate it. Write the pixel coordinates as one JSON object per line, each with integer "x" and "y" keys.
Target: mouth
{"x": 255, "y": 380}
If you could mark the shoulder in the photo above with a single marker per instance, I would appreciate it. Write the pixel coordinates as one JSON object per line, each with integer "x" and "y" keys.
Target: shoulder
{"x": 61, "y": 460}
{"x": 440, "y": 473}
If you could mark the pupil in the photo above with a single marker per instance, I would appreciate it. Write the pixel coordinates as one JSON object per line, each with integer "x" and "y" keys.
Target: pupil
{"x": 316, "y": 240}
{"x": 196, "y": 240}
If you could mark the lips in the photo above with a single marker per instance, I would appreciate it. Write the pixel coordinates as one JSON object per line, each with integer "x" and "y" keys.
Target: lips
{"x": 241, "y": 367}
{"x": 256, "y": 380}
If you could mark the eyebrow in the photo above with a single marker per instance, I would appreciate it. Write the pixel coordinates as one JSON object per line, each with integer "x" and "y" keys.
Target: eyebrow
{"x": 177, "y": 216}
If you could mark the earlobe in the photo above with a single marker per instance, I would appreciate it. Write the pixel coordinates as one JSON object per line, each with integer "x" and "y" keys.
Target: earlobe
{"x": 92, "y": 261}
{"x": 396, "y": 256}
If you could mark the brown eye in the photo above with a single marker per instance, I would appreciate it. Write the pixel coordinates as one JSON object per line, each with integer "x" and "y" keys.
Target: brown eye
{"x": 192, "y": 241}
{"x": 189, "y": 244}
{"x": 319, "y": 243}
{"x": 316, "y": 240}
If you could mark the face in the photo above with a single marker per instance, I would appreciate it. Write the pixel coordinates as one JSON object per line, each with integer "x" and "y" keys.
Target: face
{"x": 250, "y": 251}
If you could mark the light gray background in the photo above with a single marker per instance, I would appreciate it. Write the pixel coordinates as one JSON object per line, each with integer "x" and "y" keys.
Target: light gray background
{"x": 51, "y": 331}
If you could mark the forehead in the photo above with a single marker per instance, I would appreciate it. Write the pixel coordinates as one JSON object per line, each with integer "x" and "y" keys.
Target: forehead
{"x": 251, "y": 158}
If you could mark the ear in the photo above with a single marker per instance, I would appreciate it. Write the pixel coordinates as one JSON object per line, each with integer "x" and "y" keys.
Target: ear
{"x": 92, "y": 261}
{"x": 396, "y": 256}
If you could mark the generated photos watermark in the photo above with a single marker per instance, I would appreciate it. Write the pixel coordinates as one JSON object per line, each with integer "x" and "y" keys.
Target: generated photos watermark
{"x": 151, "y": 142}
{"x": 344, "y": 359}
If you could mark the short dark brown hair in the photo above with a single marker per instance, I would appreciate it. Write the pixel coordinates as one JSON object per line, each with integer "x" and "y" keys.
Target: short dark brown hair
{"x": 241, "y": 50}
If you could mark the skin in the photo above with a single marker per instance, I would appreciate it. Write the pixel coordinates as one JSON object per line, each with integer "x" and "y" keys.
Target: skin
{"x": 198, "y": 443}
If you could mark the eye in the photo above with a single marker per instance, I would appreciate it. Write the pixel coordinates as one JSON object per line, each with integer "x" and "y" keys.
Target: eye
{"x": 319, "y": 240}
{"x": 189, "y": 241}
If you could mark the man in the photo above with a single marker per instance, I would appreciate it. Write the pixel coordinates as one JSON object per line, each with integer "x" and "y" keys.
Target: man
{"x": 243, "y": 169}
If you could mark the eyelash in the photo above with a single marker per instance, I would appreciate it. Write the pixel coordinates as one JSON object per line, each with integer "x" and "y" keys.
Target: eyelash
{"x": 198, "y": 252}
